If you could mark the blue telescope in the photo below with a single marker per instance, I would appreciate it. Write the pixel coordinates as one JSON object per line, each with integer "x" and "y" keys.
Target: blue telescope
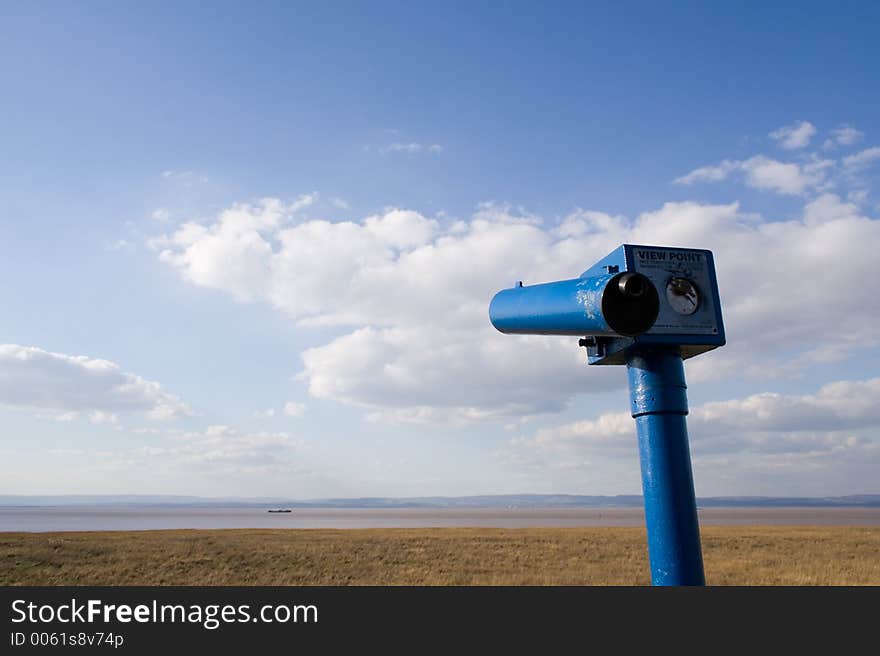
{"x": 649, "y": 308}
{"x": 609, "y": 304}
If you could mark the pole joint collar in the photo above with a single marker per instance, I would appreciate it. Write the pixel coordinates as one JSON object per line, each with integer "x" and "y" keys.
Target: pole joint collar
{"x": 656, "y": 382}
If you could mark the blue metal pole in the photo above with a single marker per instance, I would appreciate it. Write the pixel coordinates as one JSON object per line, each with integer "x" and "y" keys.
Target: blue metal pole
{"x": 658, "y": 398}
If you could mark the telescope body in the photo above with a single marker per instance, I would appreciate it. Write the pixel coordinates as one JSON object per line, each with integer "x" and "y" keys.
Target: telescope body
{"x": 609, "y": 304}
{"x": 635, "y": 296}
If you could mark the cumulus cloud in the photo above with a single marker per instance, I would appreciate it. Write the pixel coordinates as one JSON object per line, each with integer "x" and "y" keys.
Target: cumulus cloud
{"x": 785, "y": 178}
{"x": 794, "y": 136}
{"x": 422, "y": 374}
{"x": 843, "y": 135}
{"x": 715, "y": 173}
{"x": 841, "y": 416}
{"x": 218, "y": 450}
{"x": 764, "y": 173}
{"x": 862, "y": 159}
{"x": 829, "y": 207}
{"x": 230, "y": 254}
{"x": 411, "y": 293}
{"x": 857, "y": 196}
{"x": 33, "y": 378}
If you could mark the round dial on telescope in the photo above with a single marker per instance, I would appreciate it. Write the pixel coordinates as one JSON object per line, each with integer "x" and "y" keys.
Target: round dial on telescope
{"x": 682, "y": 295}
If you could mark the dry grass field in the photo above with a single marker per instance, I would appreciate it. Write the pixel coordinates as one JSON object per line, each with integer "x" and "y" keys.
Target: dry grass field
{"x": 446, "y": 556}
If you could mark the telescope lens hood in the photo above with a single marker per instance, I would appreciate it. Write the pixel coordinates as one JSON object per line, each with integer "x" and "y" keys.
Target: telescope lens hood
{"x": 630, "y": 303}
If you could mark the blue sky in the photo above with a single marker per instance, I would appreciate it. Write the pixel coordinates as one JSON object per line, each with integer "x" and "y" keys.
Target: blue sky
{"x": 207, "y": 217}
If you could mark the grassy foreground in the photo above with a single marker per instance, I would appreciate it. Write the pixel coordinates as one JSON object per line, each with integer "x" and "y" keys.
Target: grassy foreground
{"x": 447, "y": 556}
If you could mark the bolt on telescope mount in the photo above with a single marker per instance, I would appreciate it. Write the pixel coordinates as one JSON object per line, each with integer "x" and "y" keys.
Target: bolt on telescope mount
{"x": 648, "y": 307}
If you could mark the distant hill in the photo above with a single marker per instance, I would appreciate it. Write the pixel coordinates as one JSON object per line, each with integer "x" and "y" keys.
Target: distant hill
{"x": 485, "y": 501}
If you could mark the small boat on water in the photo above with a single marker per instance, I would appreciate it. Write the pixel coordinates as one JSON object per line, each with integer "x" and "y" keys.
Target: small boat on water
{"x": 279, "y": 510}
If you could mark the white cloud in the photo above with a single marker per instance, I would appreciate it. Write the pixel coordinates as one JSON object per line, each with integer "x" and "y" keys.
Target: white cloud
{"x": 829, "y": 207}
{"x": 232, "y": 253}
{"x": 841, "y": 405}
{"x": 862, "y": 158}
{"x": 715, "y": 173}
{"x": 843, "y": 135}
{"x": 401, "y": 228}
{"x": 414, "y": 293}
{"x": 428, "y": 374}
{"x": 218, "y": 450}
{"x": 858, "y": 196}
{"x": 841, "y": 416}
{"x": 794, "y": 136}
{"x": 412, "y": 148}
{"x": 186, "y": 178}
{"x": 766, "y": 174}
{"x": 103, "y": 417}
{"x": 33, "y": 378}
{"x": 161, "y": 215}
{"x": 339, "y": 203}
{"x": 292, "y": 409}
{"x": 301, "y": 202}
{"x": 264, "y": 414}
{"x": 785, "y": 178}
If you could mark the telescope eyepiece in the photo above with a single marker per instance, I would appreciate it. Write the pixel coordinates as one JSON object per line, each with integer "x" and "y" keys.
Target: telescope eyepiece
{"x": 630, "y": 303}
{"x": 633, "y": 285}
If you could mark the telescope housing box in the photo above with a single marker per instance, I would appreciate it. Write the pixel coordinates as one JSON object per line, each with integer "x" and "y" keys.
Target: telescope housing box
{"x": 635, "y": 296}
